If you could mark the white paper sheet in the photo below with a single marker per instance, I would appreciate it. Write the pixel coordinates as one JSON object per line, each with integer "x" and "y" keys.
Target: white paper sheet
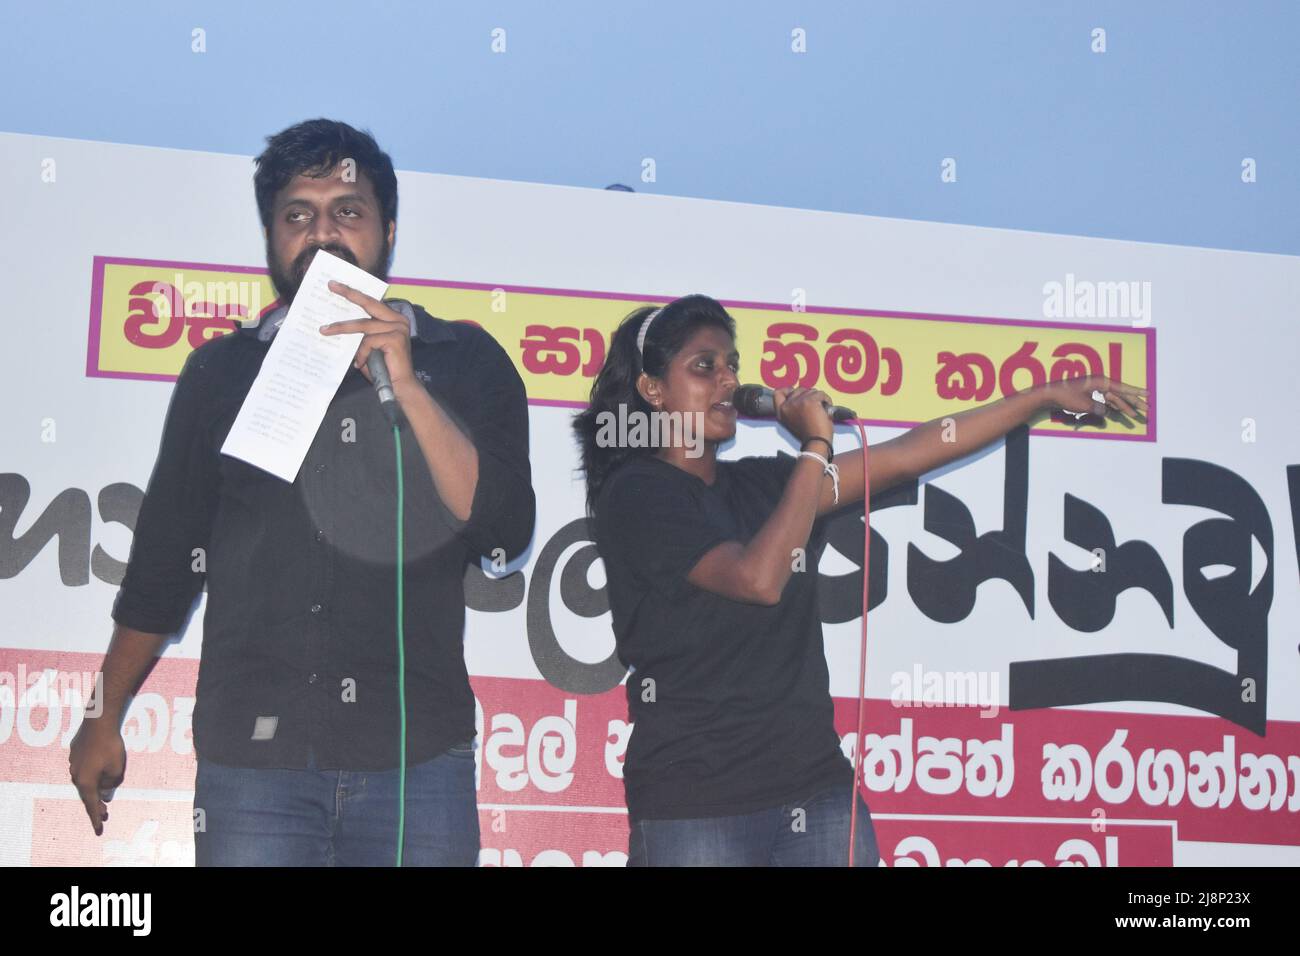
{"x": 301, "y": 372}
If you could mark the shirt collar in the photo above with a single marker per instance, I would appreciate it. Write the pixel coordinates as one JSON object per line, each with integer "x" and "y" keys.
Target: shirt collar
{"x": 425, "y": 327}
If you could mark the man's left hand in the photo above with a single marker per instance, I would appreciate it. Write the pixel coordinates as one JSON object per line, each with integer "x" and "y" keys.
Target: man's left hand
{"x": 386, "y": 330}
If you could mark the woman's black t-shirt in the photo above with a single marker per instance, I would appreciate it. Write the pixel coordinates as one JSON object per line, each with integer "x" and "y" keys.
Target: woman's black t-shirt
{"x": 731, "y": 701}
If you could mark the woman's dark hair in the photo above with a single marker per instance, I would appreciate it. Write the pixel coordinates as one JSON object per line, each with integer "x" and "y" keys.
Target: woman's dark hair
{"x": 615, "y": 384}
{"x": 315, "y": 148}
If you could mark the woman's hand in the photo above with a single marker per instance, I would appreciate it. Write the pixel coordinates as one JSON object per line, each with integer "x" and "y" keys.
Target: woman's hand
{"x": 1076, "y": 395}
{"x": 803, "y": 412}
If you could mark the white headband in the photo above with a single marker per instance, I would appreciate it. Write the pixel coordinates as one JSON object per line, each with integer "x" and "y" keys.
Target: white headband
{"x": 645, "y": 326}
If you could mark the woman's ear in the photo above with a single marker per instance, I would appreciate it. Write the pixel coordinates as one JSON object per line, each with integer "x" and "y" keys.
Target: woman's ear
{"x": 649, "y": 388}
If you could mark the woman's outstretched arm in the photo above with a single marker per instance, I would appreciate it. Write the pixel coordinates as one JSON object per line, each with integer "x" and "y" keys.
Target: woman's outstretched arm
{"x": 935, "y": 443}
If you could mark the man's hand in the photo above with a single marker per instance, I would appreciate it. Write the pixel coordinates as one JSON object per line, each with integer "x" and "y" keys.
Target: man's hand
{"x": 451, "y": 457}
{"x": 386, "y": 330}
{"x": 97, "y": 764}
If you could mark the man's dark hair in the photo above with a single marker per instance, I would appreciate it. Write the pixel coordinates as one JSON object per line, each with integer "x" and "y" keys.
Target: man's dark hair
{"x": 315, "y": 148}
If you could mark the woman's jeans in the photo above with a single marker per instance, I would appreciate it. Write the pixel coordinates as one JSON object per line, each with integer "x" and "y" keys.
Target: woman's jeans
{"x": 813, "y": 831}
{"x": 248, "y": 817}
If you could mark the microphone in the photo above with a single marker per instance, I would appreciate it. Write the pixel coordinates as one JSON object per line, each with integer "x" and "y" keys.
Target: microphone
{"x": 757, "y": 401}
{"x": 378, "y": 369}
{"x": 268, "y": 324}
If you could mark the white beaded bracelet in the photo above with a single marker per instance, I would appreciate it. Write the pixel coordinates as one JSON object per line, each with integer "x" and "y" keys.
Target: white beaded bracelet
{"x": 828, "y": 468}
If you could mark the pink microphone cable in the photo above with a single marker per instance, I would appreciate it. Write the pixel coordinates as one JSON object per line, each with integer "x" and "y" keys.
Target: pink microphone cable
{"x": 862, "y": 665}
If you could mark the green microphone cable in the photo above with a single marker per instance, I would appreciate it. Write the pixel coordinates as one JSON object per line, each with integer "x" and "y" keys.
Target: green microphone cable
{"x": 401, "y": 660}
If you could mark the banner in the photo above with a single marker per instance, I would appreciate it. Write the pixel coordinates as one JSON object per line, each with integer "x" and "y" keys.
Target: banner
{"x": 1081, "y": 652}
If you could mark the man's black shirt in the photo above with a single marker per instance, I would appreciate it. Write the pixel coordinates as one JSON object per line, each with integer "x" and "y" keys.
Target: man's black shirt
{"x": 299, "y": 635}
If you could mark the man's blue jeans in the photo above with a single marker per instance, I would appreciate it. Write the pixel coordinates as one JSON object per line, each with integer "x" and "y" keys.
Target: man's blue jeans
{"x": 813, "y": 831}
{"x": 336, "y": 817}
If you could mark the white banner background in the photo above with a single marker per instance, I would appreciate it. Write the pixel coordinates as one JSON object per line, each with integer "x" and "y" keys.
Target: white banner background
{"x": 1227, "y": 351}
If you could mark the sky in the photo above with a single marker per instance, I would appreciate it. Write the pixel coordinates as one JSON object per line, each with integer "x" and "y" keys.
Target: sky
{"x": 846, "y": 106}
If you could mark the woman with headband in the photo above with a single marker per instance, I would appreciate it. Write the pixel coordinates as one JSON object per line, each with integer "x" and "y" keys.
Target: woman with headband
{"x": 712, "y": 580}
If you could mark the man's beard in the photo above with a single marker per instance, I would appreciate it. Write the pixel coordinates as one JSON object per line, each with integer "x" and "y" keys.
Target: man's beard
{"x": 287, "y": 280}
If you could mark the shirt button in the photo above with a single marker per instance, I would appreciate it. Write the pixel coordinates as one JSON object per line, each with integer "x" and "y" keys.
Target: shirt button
{"x": 311, "y": 679}
{"x": 319, "y": 469}
{"x": 320, "y": 535}
{"x": 316, "y": 608}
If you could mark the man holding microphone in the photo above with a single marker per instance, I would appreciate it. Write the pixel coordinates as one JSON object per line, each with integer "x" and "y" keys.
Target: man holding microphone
{"x": 297, "y": 720}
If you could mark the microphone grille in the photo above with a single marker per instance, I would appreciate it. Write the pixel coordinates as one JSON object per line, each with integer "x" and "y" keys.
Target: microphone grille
{"x": 748, "y": 400}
